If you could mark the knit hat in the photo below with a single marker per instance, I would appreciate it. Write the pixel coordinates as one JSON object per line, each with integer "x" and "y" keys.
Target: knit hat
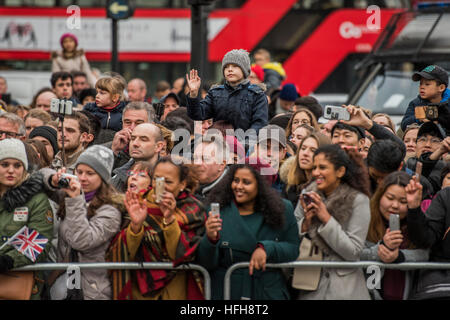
{"x": 48, "y": 133}
{"x": 13, "y": 149}
{"x": 259, "y": 71}
{"x": 99, "y": 158}
{"x": 239, "y": 57}
{"x": 71, "y": 35}
{"x": 289, "y": 92}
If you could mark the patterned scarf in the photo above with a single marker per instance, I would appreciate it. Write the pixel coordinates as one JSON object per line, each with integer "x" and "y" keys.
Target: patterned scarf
{"x": 190, "y": 216}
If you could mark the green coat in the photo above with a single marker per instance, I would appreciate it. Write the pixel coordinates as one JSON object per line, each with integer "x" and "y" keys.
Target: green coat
{"x": 237, "y": 243}
{"x": 40, "y": 218}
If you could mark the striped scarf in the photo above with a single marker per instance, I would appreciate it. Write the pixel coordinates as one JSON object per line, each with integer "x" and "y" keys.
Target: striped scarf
{"x": 190, "y": 216}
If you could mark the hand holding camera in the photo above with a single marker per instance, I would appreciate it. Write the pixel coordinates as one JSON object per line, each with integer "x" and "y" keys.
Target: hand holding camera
{"x": 70, "y": 185}
{"x": 357, "y": 118}
{"x": 316, "y": 205}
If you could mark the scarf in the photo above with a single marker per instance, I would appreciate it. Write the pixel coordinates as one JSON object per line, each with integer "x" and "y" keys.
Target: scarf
{"x": 190, "y": 216}
{"x": 340, "y": 206}
{"x": 90, "y": 195}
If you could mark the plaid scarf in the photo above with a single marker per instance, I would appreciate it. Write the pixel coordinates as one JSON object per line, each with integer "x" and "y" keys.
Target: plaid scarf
{"x": 190, "y": 215}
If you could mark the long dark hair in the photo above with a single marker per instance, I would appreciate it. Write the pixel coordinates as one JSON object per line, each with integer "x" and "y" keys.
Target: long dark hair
{"x": 377, "y": 227}
{"x": 267, "y": 201}
{"x": 356, "y": 174}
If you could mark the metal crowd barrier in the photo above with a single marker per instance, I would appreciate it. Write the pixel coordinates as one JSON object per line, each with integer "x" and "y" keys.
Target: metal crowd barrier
{"x": 124, "y": 265}
{"x": 331, "y": 264}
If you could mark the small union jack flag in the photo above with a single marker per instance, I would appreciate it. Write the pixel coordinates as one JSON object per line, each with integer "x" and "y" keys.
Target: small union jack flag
{"x": 29, "y": 242}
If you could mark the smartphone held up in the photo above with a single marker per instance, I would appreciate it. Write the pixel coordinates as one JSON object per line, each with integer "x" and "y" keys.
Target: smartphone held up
{"x": 159, "y": 189}
{"x": 394, "y": 222}
{"x": 215, "y": 209}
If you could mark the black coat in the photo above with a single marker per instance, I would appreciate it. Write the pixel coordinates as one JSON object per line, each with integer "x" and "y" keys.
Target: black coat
{"x": 244, "y": 107}
{"x": 431, "y": 230}
{"x": 109, "y": 119}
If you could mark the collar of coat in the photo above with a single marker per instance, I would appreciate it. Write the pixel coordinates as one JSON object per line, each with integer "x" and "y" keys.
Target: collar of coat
{"x": 340, "y": 206}
{"x": 18, "y": 196}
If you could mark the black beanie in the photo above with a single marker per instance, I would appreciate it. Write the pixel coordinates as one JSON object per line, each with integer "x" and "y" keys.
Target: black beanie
{"x": 48, "y": 133}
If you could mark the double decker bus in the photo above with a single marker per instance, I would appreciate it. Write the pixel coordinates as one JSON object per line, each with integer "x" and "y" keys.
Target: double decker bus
{"x": 317, "y": 41}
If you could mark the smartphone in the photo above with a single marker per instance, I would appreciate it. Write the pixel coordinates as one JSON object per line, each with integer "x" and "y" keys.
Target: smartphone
{"x": 394, "y": 222}
{"x": 336, "y": 113}
{"x": 159, "y": 188}
{"x": 215, "y": 209}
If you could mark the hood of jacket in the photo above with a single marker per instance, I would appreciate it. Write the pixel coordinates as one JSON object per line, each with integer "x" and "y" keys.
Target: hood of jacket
{"x": 20, "y": 195}
{"x": 275, "y": 66}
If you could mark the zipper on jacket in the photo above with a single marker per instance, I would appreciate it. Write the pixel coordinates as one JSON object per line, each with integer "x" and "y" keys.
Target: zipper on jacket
{"x": 107, "y": 122}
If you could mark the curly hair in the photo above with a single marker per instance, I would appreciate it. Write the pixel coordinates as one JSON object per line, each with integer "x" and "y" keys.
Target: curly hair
{"x": 267, "y": 200}
{"x": 356, "y": 173}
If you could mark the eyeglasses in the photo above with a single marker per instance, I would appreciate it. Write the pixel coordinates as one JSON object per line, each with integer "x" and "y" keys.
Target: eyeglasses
{"x": 304, "y": 121}
{"x": 142, "y": 174}
{"x": 9, "y": 134}
{"x": 432, "y": 140}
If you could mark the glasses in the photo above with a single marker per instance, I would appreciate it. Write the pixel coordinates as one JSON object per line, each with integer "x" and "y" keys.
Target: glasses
{"x": 142, "y": 174}
{"x": 432, "y": 140}
{"x": 9, "y": 134}
{"x": 304, "y": 121}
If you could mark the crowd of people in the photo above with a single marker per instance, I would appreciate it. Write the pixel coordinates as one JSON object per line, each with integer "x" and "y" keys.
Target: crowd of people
{"x": 123, "y": 180}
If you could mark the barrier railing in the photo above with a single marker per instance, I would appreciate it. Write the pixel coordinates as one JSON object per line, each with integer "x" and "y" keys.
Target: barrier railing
{"x": 331, "y": 264}
{"x": 122, "y": 266}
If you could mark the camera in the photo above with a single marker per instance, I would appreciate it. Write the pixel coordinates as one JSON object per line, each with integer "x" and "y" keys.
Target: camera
{"x": 64, "y": 181}
{"x": 336, "y": 113}
{"x": 306, "y": 198}
{"x": 61, "y": 107}
{"x": 159, "y": 109}
{"x": 426, "y": 112}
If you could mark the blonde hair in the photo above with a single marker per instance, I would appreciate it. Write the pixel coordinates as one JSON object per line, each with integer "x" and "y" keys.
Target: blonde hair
{"x": 112, "y": 85}
{"x": 296, "y": 175}
{"x": 390, "y": 122}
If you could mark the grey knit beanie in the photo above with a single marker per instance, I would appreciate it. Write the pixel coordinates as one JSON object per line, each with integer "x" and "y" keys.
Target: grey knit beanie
{"x": 99, "y": 158}
{"x": 239, "y": 57}
{"x": 13, "y": 149}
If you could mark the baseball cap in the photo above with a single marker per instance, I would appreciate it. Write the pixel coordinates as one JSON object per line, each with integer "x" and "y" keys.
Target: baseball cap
{"x": 431, "y": 128}
{"x": 272, "y": 132}
{"x": 432, "y": 72}
{"x": 171, "y": 95}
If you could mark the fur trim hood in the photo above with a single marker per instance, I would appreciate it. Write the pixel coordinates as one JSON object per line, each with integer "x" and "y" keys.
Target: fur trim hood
{"x": 285, "y": 167}
{"x": 20, "y": 195}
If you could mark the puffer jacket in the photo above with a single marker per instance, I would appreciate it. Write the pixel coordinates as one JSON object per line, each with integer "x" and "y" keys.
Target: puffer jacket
{"x": 244, "y": 106}
{"x": 27, "y": 197}
{"x": 90, "y": 237}
{"x": 111, "y": 119}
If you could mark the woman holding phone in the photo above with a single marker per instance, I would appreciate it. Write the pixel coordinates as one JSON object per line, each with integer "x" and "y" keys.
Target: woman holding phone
{"x": 336, "y": 220}
{"x": 255, "y": 224}
{"x": 168, "y": 230}
{"x": 389, "y": 208}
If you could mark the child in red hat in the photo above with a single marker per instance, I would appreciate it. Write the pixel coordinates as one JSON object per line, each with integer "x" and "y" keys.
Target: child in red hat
{"x": 69, "y": 58}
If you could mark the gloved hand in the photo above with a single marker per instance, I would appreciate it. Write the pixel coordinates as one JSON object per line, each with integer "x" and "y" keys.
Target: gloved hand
{"x": 6, "y": 263}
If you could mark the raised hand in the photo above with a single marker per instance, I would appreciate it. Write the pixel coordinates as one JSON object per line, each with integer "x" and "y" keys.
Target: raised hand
{"x": 414, "y": 193}
{"x": 136, "y": 210}
{"x": 213, "y": 225}
{"x": 74, "y": 189}
{"x": 393, "y": 239}
{"x": 121, "y": 140}
{"x": 193, "y": 83}
{"x": 168, "y": 205}
{"x": 357, "y": 118}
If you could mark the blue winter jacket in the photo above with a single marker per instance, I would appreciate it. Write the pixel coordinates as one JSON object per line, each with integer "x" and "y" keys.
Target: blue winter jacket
{"x": 109, "y": 119}
{"x": 410, "y": 116}
{"x": 244, "y": 107}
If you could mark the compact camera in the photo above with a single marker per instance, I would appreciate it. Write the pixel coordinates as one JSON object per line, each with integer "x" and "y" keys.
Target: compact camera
{"x": 64, "y": 181}
{"x": 426, "y": 112}
{"x": 61, "y": 107}
{"x": 336, "y": 113}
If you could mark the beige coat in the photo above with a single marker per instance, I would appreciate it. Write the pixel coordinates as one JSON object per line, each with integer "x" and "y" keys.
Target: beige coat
{"x": 91, "y": 238}
{"x": 347, "y": 242}
{"x": 78, "y": 63}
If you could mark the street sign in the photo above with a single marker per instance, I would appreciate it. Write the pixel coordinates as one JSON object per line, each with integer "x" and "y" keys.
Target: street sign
{"x": 119, "y": 9}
